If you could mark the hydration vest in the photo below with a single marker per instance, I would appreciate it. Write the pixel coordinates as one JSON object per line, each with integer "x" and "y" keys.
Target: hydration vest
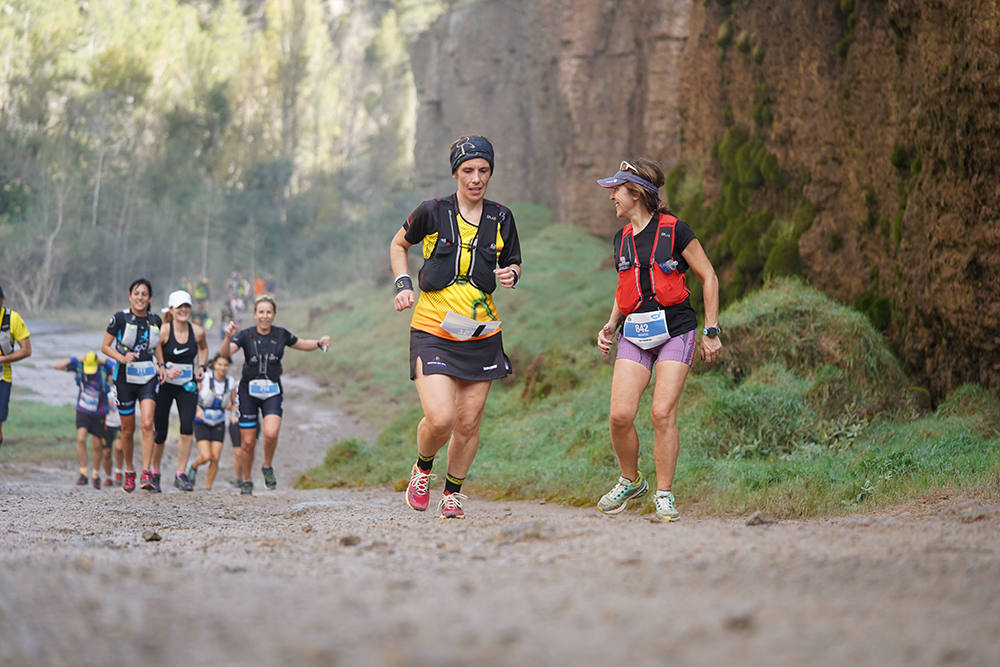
{"x": 138, "y": 335}
{"x": 441, "y": 269}
{"x": 102, "y": 372}
{"x": 6, "y": 337}
{"x": 669, "y": 284}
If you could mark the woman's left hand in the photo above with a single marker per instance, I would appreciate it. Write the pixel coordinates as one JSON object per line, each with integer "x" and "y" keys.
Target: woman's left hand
{"x": 324, "y": 342}
{"x": 507, "y": 276}
{"x": 710, "y": 348}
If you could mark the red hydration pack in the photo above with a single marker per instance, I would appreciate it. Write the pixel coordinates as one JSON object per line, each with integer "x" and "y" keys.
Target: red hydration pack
{"x": 669, "y": 284}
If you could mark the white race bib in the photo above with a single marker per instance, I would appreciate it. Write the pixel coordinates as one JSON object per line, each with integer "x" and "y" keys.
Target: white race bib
{"x": 464, "y": 328}
{"x": 187, "y": 373}
{"x": 139, "y": 372}
{"x": 647, "y": 330}
{"x": 213, "y": 417}
{"x": 88, "y": 401}
{"x": 264, "y": 388}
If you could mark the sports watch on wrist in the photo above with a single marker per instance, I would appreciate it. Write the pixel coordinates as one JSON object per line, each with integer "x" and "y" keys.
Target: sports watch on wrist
{"x": 712, "y": 332}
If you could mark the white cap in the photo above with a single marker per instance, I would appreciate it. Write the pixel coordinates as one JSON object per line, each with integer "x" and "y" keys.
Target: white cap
{"x": 178, "y": 298}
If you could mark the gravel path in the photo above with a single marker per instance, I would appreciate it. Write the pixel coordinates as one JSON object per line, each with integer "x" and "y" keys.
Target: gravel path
{"x": 354, "y": 577}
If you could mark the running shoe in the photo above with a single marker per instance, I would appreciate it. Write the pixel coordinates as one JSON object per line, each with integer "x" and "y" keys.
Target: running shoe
{"x": 109, "y": 482}
{"x": 82, "y": 480}
{"x": 418, "y": 494}
{"x": 128, "y": 486}
{"x": 146, "y": 480}
{"x": 451, "y": 505}
{"x": 615, "y": 500}
{"x": 270, "y": 481}
{"x": 96, "y": 481}
{"x": 156, "y": 482}
{"x": 666, "y": 511}
{"x": 118, "y": 479}
{"x": 192, "y": 474}
{"x": 182, "y": 482}
{"x": 246, "y": 488}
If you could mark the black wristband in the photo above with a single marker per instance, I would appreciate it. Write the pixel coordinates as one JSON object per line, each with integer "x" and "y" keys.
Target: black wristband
{"x": 403, "y": 282}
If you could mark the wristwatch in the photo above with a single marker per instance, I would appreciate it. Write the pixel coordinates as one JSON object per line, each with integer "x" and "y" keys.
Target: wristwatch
{"x": 712, "y": 332}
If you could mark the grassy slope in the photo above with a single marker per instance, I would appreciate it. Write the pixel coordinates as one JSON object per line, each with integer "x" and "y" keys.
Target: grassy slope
{"x": 808, "y": 414}
{"x": 35, "y": 431}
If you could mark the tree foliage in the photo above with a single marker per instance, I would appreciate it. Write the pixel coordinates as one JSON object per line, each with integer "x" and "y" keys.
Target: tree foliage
{"x": 170, "y": 138}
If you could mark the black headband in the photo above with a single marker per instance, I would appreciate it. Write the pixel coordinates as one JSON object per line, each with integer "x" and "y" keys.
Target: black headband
{"x": 468, "y": 148}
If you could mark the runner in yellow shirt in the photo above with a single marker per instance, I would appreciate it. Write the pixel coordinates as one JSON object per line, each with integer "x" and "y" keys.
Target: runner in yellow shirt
{"x": 15, "y": 344}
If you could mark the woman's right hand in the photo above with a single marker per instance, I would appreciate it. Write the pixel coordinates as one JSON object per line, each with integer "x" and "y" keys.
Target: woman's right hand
{"x": 230, "y": 329}
{"x": 606, "y": 336}
{"x": 130, "y": 357}
{"x": 403, "y": 300}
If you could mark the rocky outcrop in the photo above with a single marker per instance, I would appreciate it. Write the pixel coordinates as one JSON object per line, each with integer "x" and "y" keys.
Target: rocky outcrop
{"x": 565, "y": 89}
{"x": 884, "y": 116}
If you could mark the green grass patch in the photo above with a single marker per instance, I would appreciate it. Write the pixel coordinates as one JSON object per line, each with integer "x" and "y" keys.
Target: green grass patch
{"x": 37, "y": 431}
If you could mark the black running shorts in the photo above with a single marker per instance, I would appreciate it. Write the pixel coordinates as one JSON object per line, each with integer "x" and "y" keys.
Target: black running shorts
{"x": 481, "y": 359}
{"x": 204, "y": 431}
{"x": 93, "y": 423}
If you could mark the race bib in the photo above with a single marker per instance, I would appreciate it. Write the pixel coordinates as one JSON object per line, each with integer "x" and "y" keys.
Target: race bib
{"x": 88, "y": 401}
{"x": 464, "y": 328}
{"x": 263, "y": 388}
{"x": 213, "y": 417}
{"x": 187, "y": 373}
{"x": 647, "y": 330}
{"x": 139, "y": 372}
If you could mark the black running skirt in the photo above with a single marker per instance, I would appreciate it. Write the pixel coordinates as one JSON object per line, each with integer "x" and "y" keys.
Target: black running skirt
{"x": 475, "y": 360}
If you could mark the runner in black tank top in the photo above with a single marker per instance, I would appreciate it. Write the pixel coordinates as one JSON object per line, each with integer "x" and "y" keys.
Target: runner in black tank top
{"x": 260, "y": 395}
{"x": 182, "y": 367}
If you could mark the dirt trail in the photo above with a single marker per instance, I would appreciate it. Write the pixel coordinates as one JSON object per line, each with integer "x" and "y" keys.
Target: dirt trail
{"x": 354, "y": 577}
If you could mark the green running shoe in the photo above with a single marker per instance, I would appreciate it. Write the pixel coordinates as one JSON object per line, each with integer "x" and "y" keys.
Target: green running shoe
{"x": 270, "y": 481}
{"x": 666, "y": 511}
{"x": 246, "y": 488}
{"x": 615, "y": 500}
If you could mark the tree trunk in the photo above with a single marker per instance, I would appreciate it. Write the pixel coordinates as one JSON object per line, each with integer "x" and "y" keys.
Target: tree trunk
{"x": 97, "y": 187}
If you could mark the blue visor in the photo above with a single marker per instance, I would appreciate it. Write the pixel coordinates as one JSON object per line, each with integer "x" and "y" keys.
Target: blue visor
{"x": 622, "y": 176}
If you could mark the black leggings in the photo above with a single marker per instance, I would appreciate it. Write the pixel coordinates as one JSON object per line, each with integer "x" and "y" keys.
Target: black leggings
{"x": 187, "y": 401}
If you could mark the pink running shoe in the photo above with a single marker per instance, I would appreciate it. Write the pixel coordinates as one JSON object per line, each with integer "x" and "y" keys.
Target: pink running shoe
{"x": 146, "y": 481}
{"x": 451, "y": 505}
{"x": 418, "y": 494}
{"x": 118, "y": 479}
{"x": 128, "y": 486}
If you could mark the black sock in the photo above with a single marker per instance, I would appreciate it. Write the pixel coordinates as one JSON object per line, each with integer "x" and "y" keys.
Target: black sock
{"x": 425, "y": 463}
{"x": 453, "y": 484}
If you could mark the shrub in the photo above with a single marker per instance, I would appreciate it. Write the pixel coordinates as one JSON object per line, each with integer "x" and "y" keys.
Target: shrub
{"x": 724, "y": 36}
{"x": 743, "y": 41}
{"x": 783, "y": 259}
{"x": 900, "y": 159}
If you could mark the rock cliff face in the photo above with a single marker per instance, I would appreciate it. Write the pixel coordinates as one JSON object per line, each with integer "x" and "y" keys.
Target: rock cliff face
{"x": 885, "y": 116}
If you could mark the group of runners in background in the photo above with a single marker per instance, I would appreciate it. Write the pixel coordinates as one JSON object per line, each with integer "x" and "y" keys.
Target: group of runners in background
{"x": 153, "y": 363}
